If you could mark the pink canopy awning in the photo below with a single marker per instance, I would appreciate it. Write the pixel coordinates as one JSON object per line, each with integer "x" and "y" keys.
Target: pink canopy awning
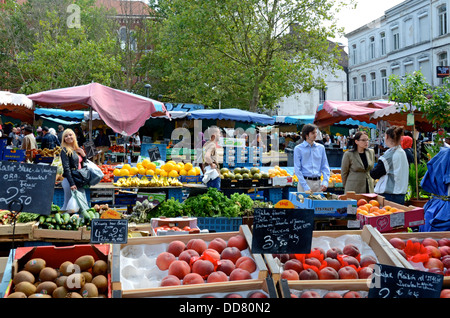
{"x": 124, "y": 112}
{"x": 332, "y": 112}
{"x": 16, "y": 106}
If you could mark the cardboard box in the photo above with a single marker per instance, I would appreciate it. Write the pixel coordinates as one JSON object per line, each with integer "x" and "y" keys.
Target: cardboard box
{"x": 173, "y": 222}
{"x": 282, "y": 181}
{"x": 412, "y": 217}
{"x": 14, "y": 154}
{"x": 416, "y": 235}
{"x": 42, "y": 234}
{"x": 55, "y": 256}
{"x": 153, "y": 246}
{"x": 368, "y": 235}
{"x": 22, "y": 231}
{"x": 344, "y": 208}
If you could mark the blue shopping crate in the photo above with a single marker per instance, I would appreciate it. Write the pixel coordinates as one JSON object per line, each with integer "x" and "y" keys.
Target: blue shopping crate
{"x": 219, "y": 224}
{"x": 176, "y": 193}
{"x": 275, "y": 195}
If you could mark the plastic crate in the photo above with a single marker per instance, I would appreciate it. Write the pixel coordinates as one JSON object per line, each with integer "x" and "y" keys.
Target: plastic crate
{"x": 275, "y": 195}
{"x": 219, "y": 224}
{"x": 176, "y": 193}
{"x": 14, "y": 155}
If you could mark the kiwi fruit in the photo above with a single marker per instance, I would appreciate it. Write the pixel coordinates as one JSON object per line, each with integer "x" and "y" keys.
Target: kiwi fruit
{"x": 35, "y": 265}
{"x": 39, "y": 295}
{"x": 23, "y": 276}
{"x": 67, "y": 268}
{"x": 85, "y": 262}
{"x": 89, "y": 290}
{"x": 87, "y": 276}
{"x": 101, "y": 282}
{"x": 100, "y": 267}
{"x": 17, "y": 295}
{"x": 25, "y": 287}
{"x": 75, "y": 281}
{"x": 60, "y": 292}
{"x": 48, "y": 274}
{"x": 59, "y": 281}
{"x": 46, "y": 287}
{"x": 73, "y": 295}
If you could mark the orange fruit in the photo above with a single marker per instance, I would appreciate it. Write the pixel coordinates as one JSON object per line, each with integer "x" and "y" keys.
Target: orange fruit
{"x": 150, "y": 172}
{"x": 142, "y": 171}
{"x": 173, "y": 174}
{"x": 368, "y": 205}
{"x": 374, "y": 209}
{"x": 163, "y": 173}
{"x": 116, "y": 172}
{"x": 183, "y": 172}
{"x": 197, "y": 171}
{"x": 192, "y": 172}
{"x": 387, "y": 207}
{"x": 393, "y": 210}
{"x": 151, "y": 165}
{"x": 145, "y": 163}
{"x": 364, "y": 208}
{"x": 124, "y": 172}
{"x": 374, "y": 203}
{"x": 361, "y": 202}
{"x": 134, "y": 171}
{"x": 158, "y": 171}
{"x": 188, "y": 166}
{"x": 126, "y": 166}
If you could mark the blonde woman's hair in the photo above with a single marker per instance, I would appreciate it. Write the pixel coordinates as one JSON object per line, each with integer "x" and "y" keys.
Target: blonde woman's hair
{"x": 69, "y": 148}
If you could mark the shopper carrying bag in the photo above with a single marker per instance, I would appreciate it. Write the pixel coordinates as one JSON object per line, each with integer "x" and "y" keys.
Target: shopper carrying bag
{"x": 73, "y": 158}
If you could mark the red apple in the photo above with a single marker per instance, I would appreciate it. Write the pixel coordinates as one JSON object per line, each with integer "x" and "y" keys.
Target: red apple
{"x": 434, "y": 263}
{"x": 310, "y": 294}
{"x": 430, "y": 242}
{"x": 446, "y": 262}
{"x": 397, "y": 243}
{"x": 444, "y": 241}
{"x": 445, "y": 250}
{"x": 433, "y": 251}
{"x": 445, "y": 293}
{"x": 351, "y": 250}
{"x": 348, "y": 272}
{"x": 334, "y": 252}
{"x": 328, "y": 273}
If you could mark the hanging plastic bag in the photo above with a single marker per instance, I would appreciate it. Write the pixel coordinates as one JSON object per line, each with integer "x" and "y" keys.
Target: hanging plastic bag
{"x": 96, "y": 174}
{"x": 58, "y": 164}
{"x": 81, "y": 200}
{"x": 72, "y": 205}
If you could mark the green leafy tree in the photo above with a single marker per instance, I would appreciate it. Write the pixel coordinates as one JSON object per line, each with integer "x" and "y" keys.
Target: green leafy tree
{"x": 244, "y": 54}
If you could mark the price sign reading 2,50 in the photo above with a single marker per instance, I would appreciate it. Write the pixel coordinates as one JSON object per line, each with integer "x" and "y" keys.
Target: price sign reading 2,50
{"x": 14, "y": 193}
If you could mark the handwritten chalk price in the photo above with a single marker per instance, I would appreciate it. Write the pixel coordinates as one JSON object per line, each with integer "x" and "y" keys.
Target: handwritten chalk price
{"x": 109, "y": 231}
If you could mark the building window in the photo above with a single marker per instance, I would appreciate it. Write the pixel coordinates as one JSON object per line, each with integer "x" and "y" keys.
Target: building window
{"x": 362, "y": 51}
{"x": 322, "y": 95}
{"x": 396, "y": 39}
{"x": 354, "y": 54}
{"x": 373, "y": 84}
{"x": 372, "y": 47}
{"x": 127, "y": 38}
{"x": 395, "y": 69}
{"x": 383, "y": 43}
{"x": 355, "y": 89}
{"x": 363, "y": 86}
{"x": 424, "y": 28}
{"x": 442, "y": 18}
{"x": 384, "y": 82}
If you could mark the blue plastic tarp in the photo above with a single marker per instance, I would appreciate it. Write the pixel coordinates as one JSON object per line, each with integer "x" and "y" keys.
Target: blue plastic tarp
{"x": 299, "y": 119}
{"x": 231, "y": 114}
{"x": 436, "y": 181}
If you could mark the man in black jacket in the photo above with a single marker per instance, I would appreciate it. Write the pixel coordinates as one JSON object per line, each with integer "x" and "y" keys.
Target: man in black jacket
{"x": 48, "y": 141}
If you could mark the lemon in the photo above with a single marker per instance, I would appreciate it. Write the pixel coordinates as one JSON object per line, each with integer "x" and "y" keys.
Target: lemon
{"x": 146, "y": 163}
{"x": 158, "y": 171}
{"x": 163, "y": 173}
{"x": 192, "y": 172}
{"x": 188, "y": 166}
{"x": 124, "y": 172}
{"x": 150, "y": 172}
{"x": 151, "y": 165}
{"x": 142, "y": 171}
{"x": 198, "y": 171}
{"x": 173, "y": 174}
{"x": 183, "y": 172}
{"x": 126, "y": 166}
{"x": 116, "y": 172}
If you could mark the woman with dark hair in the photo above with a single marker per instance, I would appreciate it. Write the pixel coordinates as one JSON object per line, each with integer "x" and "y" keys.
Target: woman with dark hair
{"x": 356, "y": 165}
{"x": 392, "y": 168}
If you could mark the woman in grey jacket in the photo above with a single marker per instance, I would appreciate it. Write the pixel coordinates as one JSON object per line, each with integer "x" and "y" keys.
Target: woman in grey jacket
{"x": 356, "y": 165}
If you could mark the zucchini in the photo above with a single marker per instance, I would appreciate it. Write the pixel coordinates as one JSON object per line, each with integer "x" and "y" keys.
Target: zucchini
{"x": 58, "y": 218}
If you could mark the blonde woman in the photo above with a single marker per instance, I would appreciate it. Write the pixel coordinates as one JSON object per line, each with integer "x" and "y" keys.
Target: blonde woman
{"x": 72, "y": 158}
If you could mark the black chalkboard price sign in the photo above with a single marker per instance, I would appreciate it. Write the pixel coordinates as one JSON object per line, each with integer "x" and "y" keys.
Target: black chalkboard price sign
{"x": 28, "y": 186}
{"x": 112, "y": 231}
{"x": 395, "y": 282}
{"x": 282, "y": 231}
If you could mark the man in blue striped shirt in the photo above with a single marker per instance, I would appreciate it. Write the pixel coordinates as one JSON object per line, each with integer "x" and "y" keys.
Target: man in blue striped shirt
{"x": 310, "y": 162}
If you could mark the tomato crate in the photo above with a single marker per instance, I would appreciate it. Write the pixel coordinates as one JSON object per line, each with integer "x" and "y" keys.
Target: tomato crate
{"x": 136, "y": 275}
{"x": 344, "y": 208}
{"x": 418, "y": 237}
{"x": 368, "y": 240}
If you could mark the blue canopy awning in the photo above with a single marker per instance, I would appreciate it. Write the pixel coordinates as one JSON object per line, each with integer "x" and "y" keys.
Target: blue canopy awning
{"x": 231, "y": 114}
{"x": 75, "y": 115}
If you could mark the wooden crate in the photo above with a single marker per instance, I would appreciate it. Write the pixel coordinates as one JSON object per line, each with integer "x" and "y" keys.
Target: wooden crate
{"x": 43, "y": 234}
{"x": 117, "y": 283}
{"x": 409, "y": 235}
{"x": 22, "y": 231}
{"x": 286, "y": 287}
{"x": 368, "y": 235}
